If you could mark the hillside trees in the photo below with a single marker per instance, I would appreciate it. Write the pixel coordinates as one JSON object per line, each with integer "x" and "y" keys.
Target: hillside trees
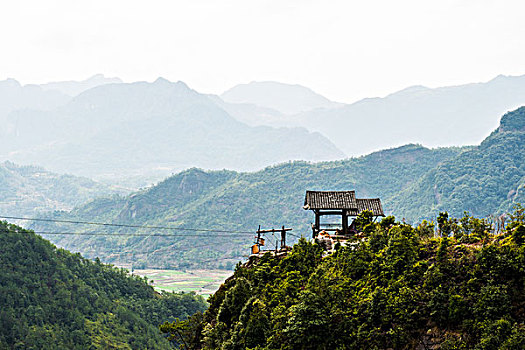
{"x": 52, "y": 298}
{"x": 232, "y": 201}
{"x": 399, "y": 288}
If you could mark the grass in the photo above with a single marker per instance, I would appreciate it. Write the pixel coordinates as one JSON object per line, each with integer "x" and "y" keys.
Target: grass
{"x": 202, "y": 282}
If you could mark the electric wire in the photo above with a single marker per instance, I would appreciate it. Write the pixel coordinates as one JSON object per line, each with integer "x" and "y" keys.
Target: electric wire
{"x": 127, "y": 226}
{"x": 128, "y": 234}
{"x": 124, "y": 225}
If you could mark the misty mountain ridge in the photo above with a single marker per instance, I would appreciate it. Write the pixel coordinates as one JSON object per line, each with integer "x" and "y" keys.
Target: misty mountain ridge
{"x": 285, "y": 98}
{"x": 14, "y": 96}
{"x": 250, "y": 113}
{"x": 45, "y": 97}
{"x": 85, "y": 134}
{"x": 444, "y": 116}
{"x": 484, "y": 180}
{"x": 413, "y": 182}
{"x": 118, "y": 130}
{"x": 73, "y": 88}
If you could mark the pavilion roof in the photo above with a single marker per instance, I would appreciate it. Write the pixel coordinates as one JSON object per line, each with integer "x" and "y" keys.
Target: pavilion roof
{"x": 342, "y": 200}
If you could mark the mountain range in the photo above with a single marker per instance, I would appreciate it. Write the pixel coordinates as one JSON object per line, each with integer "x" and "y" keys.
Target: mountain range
{"x": 137, "y": 133}
{"x": 28, "y": 190}
{"x": 484, "y": 180}
{"x": 73, "y": 88}
{"x": 285, "y": 98}
{"x": 119, "y": 130}
{"x": 434, "y": 117}
{"x": 231, "y": 201}
{"x": 413, "y": 182}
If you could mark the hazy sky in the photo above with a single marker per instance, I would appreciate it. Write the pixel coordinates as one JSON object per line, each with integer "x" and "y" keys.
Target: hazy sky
{"x": 344, "y": 50}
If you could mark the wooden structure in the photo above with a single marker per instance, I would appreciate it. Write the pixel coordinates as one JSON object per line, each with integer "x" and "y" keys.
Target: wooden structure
{"x": 260, "y": 241}
{"x": 339, "y": 203}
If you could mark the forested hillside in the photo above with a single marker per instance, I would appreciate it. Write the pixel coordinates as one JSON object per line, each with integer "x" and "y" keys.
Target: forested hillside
{"x": 484, "y": 180}
{"x": 53, "y": 299}
{"x": 27, "y": 190}
{"x": 413, "y": 182}
{"x": 231, "y": 201}
{"x": 400, "y": 288}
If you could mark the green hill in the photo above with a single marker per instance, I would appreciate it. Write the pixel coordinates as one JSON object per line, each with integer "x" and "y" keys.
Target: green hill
{"x": 53, "y": 299}
{"x": 484, "y": 180}
{"x": 398, "y": 289}
{"x": 26, "y": 190}
{"x": 228, "y": 200}
{"x": 413, "y": 182}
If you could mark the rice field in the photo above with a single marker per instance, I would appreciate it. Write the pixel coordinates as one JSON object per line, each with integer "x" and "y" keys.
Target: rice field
{"x": 202, "y": 282}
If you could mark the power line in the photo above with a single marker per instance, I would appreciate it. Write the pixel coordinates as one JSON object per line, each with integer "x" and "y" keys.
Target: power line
{"x": 130, "y": 226}
{"x": 124, "y": 225}
{"x": 293, "y": 234}
{"x": 125, "y": 234}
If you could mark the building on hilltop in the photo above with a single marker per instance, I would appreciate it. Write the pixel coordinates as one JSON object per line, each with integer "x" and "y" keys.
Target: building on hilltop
{"x": 338, "y": 203}
{"x": 323, "y": 203}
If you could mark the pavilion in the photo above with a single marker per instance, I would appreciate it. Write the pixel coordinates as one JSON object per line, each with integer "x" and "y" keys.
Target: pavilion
{"x": 339, "y": 203}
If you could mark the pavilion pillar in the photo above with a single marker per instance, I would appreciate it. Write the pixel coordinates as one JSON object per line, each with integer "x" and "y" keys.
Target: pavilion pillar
{"x": 344, "y": 222}
{"x": 317, "y": 223}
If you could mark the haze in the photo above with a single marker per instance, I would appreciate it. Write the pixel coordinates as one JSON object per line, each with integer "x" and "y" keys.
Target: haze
{"x": 343, "y": 50}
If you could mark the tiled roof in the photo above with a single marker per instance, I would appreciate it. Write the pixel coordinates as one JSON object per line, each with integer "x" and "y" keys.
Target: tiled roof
{"x": 342, "y": 200}
{"x": 330, "y": 200}
{"x": 372, "y": 204}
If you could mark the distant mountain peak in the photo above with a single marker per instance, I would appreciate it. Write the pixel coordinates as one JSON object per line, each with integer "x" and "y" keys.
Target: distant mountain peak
{"x": 10, "y": 83}
{"x": 285, "y": 98}
{"x": 410, "y": 90}
{"x": 502, "y": 79}
{"x": 98, "y": 77}
{"x": 161, "y": 80}
{"x": 74, "y": 88}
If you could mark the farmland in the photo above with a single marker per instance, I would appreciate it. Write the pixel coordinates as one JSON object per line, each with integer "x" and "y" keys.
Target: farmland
{"x": 202, "y": 282}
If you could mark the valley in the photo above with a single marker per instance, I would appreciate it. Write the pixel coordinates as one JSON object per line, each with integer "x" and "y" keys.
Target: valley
{"x": 201, "y": 282}
{"x": 262, "y": 175}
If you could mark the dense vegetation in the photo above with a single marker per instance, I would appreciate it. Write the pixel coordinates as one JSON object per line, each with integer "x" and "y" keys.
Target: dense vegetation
{"x": 26, "y": 190}
{"x": 53, "y": 299}
{"x": 228, "y": 200}
{"x": 412, "y": 181}
{"x": 484, "y": 180}
{"x": 400, "y": 288}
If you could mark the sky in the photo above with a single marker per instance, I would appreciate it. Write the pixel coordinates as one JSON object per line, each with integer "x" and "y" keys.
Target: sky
{"x": 344, "y": 50}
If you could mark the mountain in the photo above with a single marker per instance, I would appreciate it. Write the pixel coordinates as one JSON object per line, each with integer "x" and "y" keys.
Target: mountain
{"x": 413, "y": 182}
{"x": 53, "y": 299}
{"x": 151, "y": 129}
{"x": 231, "y": 201}
{"x": 250, "y": 113}
{"x": 43, "y": 97}
{"x": 74, "y": 88}
{"x": 285, "y": 98}
{"x": 14, "y": 96}
{"x": 487, "y": 179}
{"x": 446, "y": 116}
{"x": 399, "y": 289}
{"x": 27, "y": 190}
